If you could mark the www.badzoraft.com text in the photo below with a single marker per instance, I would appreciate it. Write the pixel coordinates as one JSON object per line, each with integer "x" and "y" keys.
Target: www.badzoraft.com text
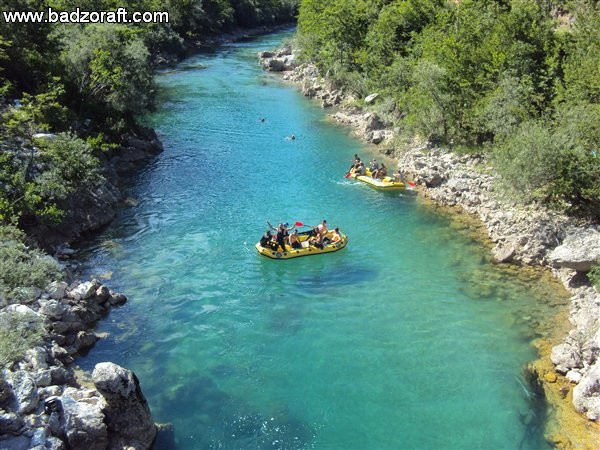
{"x": 121, "y": 15}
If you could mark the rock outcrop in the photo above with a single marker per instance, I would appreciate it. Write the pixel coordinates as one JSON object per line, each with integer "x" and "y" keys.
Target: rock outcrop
{"x": 578, "y": 251}
{"x": 42, "y": 405}
{"x": 127, "y": 414}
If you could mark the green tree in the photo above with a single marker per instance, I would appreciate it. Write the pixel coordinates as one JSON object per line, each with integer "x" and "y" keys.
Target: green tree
{"x": 527, "y": 161}
{"x": 108, "y": 74}
{"x": 581, "y": 81}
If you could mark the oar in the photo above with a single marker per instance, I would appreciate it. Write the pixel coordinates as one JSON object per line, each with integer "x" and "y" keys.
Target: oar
{"x": 348, "y": 175}
{"x": 411, "y": 184}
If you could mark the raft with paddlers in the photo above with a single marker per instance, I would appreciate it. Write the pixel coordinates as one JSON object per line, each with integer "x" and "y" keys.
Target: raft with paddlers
{"x": 305, "y": 243}
{"x": 385, "y": 183}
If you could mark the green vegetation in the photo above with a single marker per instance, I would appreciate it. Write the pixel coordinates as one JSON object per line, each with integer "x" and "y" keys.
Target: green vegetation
{"x": 518, "y": 80}
{"x": 18, "y": 333}
{"x": 22, "y": 268}
{"x": 85, "y": 84}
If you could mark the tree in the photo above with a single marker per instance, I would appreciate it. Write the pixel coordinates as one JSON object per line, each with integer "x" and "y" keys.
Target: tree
{"x": 108, "y": 73}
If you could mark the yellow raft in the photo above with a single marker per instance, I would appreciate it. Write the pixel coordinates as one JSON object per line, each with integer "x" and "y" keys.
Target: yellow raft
{"x": 307, "y": 249}
{"x": 387, "y": 183}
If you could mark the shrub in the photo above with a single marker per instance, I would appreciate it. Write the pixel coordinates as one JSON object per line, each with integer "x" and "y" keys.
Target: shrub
{"x": 18, "y": 333}
{"x": 22, "y": 268}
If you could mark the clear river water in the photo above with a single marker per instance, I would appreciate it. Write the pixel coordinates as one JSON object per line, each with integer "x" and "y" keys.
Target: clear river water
{"x": 409, "y": 338}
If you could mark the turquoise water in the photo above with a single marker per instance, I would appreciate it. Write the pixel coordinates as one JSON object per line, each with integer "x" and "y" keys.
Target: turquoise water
{"x": 408, "y": 338}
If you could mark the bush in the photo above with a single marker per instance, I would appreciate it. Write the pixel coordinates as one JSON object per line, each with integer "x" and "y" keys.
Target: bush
{"x": 527, "y": 162}
{"x": 22, "y": 268}
{"x": 18, "y": 333}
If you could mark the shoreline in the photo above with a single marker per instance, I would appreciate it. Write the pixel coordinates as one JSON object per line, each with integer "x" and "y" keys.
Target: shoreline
{"x": 568, "y": 367}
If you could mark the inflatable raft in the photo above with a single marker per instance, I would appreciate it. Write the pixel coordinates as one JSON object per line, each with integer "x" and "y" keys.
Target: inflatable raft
{"x": 387, "y": 183}
{"x": 308, "y": 248}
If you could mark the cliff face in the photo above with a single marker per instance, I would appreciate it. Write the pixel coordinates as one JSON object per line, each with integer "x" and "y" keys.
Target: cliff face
{"x": 527, "y": 235}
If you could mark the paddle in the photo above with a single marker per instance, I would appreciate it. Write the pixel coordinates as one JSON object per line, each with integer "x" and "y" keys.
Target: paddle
{"x": 300, "y": 224}
{"x": 411, "y": 184}
{"x": 348, "y": 175}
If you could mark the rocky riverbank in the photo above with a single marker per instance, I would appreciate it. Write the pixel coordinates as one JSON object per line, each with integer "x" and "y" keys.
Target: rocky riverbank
{"x": 568, "y": 371}
{"x": 43, "y": 404}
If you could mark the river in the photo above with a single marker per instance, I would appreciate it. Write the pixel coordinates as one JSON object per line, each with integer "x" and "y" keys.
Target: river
{"x": 408, "y": 338}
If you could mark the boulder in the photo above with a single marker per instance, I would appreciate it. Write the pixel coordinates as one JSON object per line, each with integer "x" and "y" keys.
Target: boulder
{"x": 83, "y": 420}
{"x": 127, "y": 413}
{"x": 25, "y": 392}
{"x": 430, "y": 178}
{"x": 377, "y": 137}
{"x": 565, "y": 357}
{"x": 579, "y": 251}
{"x": 503, "y": 253}
{"x": 116, "y": 298}
{"x": 52, "y": 309}
{"x": 265, "y": 54}
{"x": 37, "y": 358}
{"x": 102, "y": 294}
{"x": 371, "y": 122}
{"x": 56, "y": 289}
{"x": 586, "y": 395}
{"x": 371, "y": 98}
{"x": 15, "y": 443}
{"x": 276, "y": 64}
{"x": 10, "y": 423}
{"x": 84, "y": 290}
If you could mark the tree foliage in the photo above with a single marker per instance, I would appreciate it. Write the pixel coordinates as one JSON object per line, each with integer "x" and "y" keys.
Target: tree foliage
{"x": 519, "y": 79}
{"x": 86, "y": 83}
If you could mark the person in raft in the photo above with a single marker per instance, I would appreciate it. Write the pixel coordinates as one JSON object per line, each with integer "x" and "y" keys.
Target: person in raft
{"x": 380, "y": 173}
{"x": 316, "y": 240}
{"x": 355, "y": 163}
{"x": 321, "y": 229}
{"x": 336, "y": 236}
{"x": 267, "y": 240}
{"x": 359, "y": 169}
{"x": 374, "y": 166}
{"x": 294, "y": 240}
{"x": 282, "y": 232}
